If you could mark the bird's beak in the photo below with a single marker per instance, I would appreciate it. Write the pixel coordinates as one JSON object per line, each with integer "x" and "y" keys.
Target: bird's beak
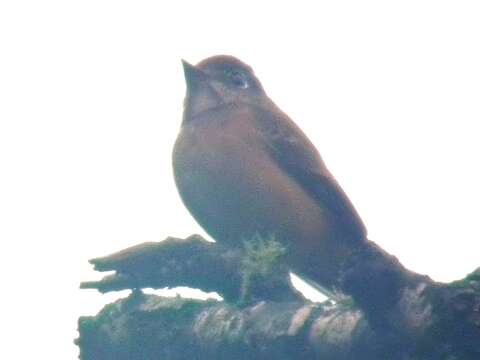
{"x": 193, "y": 75}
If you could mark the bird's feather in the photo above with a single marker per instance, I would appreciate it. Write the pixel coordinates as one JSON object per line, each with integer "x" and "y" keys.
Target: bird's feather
{"x": 296, "y": 155}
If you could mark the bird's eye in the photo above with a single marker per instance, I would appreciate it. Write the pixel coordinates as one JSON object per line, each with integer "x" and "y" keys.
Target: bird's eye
{"x": 237, "y": 79}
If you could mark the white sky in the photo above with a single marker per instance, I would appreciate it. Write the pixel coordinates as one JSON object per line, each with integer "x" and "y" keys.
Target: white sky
{"x": 91, "y": 100}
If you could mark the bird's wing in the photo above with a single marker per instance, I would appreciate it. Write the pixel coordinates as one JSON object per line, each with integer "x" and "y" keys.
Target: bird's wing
{"x": 295, "y": 154}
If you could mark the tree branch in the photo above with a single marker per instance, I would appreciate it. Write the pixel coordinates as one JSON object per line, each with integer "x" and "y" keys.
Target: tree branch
{"x": 395, "y": 313}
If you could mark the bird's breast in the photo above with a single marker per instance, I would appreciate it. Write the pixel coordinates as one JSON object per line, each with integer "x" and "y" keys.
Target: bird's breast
{"x": 234, "y": 189}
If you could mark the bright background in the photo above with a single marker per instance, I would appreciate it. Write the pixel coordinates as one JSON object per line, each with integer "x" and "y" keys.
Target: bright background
{"x": 91, "y": 101}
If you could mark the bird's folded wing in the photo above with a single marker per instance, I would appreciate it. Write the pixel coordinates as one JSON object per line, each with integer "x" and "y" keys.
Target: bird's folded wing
{"x": 296, "y": 155}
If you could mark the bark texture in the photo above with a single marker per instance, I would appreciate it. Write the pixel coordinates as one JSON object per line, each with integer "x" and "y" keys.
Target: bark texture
{"x": 384, "y": 311}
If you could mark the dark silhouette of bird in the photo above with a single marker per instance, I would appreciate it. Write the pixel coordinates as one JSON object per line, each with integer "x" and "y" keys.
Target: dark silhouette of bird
{"x": 243, "y": 168}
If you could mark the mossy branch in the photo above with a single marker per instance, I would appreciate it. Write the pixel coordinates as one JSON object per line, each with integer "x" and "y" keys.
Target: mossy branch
{"x": 395, "y": 313}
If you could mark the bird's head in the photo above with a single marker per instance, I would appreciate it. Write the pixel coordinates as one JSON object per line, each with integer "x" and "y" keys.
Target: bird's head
{"x": 220, "y": 80}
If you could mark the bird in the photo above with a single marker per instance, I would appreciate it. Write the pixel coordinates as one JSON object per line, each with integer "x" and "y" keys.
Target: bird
{"x": 243, "y": 168}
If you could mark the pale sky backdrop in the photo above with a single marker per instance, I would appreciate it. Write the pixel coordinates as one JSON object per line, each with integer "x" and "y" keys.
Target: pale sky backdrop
{"x": 91, "y": 101}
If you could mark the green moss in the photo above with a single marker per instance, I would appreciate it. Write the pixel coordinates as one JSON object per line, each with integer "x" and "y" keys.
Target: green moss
{"x": 262, "y": 265}
{"x": 262, "y": 255}
{"x": 472, "y": 279}
{"x": 474, "y": 276}
{"x": 139, "y": 327}
{"x": 347, "y": 303}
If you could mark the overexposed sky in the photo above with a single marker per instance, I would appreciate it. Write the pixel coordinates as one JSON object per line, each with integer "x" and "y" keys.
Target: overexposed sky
{"x": 91, "y": 99}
